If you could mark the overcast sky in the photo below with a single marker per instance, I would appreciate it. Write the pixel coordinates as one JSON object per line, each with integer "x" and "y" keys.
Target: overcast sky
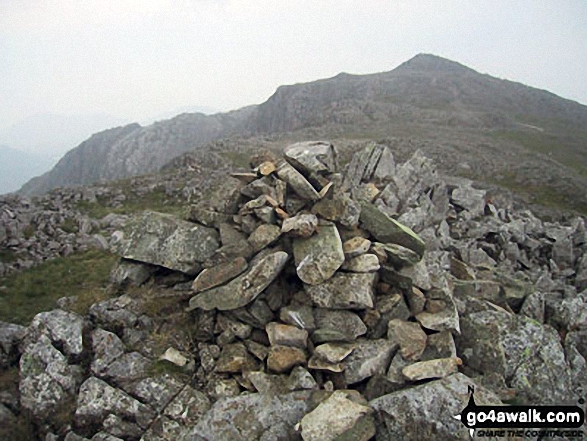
{"x": 136, "y": 59}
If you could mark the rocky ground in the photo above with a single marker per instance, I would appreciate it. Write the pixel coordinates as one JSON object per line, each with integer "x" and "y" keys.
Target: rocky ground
{"x": 299, "y": 302}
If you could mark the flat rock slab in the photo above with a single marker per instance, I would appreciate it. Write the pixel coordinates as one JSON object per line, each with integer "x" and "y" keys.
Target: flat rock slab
{"x": 337, "y": 325}
{"x": 298, "y": 183}
{"x": 164, "y": 240}
{"x": 312, "y": 157}
{"x": 426, "y": 411}
{"x": 388, "y": 230}
{"x": 319, "y": 256}
{"x": 245, "y": 288}
{"x": 344, "y": 291}
{"x": 220, "y": 274}
{"x": 252, "y": 416}
{"x": 425, "y": 370}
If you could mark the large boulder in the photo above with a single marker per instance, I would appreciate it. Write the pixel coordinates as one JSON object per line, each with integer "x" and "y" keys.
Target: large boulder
{"x": 161, "y": 239}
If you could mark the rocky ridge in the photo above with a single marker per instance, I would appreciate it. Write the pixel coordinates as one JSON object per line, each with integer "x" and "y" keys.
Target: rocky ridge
{"x": 309, "y": 303}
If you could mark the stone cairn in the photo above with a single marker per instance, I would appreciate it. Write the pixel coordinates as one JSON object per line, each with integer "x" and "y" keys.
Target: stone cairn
{"x": 327, "y": 306}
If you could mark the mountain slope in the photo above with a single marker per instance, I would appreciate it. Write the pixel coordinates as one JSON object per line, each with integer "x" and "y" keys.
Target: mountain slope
{"x": 428, "y": 101}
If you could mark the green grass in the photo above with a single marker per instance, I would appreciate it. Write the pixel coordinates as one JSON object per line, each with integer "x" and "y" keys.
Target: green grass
{"x": 7, "y": 256}
{"x": 565, "y": 148}
{"x": 24, "y": 294}
{"x": 155, "y": 200}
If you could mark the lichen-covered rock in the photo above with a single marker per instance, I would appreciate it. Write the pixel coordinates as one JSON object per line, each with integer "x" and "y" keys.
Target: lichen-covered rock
{"x": 369, "y": 357}
{"x": 312, "y": 157}
{"x": 528, "y": 354}
{"x": 106, "y": 347}
{"x": 387, "y": 230}
{"x": 251, "y": 416}
{"x": 345, "y": 414}
{"x": 425, "y": 370}
{"x": 245, "y": 288}
{"x": 337, "y": 325}
{"x": 318, "y": 257}
{"x": 63, "y": 328}
{"x": 344, "y": 291}
{"x": 298, "y": 183}
{"x": 426, "y": 411}
{"x": 302, "y": 225}
{"x": 220, "y": 274}
{"x": 340, "y": 208}
{"x": 10, "y": 338}
{"x": 97, "y": 399}
{"x": 410, "y": 337}
{"x": 365, "y": 263}
{"x": 163, "y": 240}
{"x": 263, "y": 236}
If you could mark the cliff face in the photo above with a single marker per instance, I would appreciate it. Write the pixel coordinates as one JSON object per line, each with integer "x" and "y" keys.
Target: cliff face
{"x": 426, "y": 93}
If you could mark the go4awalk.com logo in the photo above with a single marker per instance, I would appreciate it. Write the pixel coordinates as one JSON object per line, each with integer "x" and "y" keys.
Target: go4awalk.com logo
{"x": 528, "y": 421}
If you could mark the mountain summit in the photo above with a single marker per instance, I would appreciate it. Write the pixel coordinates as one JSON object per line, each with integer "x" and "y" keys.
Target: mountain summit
{"x": 499, "y": 129}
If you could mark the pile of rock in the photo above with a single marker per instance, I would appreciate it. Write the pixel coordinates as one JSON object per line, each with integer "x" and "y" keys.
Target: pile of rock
{"x": 319, "y": 305}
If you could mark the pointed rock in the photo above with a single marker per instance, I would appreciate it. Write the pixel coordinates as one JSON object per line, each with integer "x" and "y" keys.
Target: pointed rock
{"x": 388, "y": 230}
{"x": 302, "y": 225}
{"x": 369, "y": 357}
{"x": 298, "y": 183}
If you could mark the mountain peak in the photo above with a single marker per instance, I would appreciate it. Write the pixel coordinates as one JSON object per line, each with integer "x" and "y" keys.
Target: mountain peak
{"x": 430, "y": 62}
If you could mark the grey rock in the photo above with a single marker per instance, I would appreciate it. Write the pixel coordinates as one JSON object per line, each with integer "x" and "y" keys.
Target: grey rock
{"x": 10, "y": 338}
{"x": 340, "y": 208}
{"x": 298, "y": 183}
{"x": 334, "y": 352}
{"x": 365, "y": 263}
{"x": 470, "y": 199}
{"x": 301, "y": 316}
{"x": 115, "y": 314}
{"x": 116, "y": 426}
{"x": 245, "y": 288}
{"x": 106, "y": 347}
{"x": 528, "y": 354}
{"x": 47, "y": 381}
{"x": 263, "y": 236}
{"x": 127, "y": 369}
{"x": 398, "y": 255}
{"x": 337, "y": 325}
{"x": 374, "y": 162}
{"x": 97, "y": 399}
{"x": 163, "y": 240}
{"x": 446, "y": 319}
{"x": 235, "y": 358}
{"x": 425, "y": 411}
{"x": 440, "y": 345}
{"x": 127, "y": 272}
{"x": 344, "y": 291}
{"x": 302, "y": 225}
{"x": 425, "y": 370}
{"x": 220, "y": 274}
{"x": 267, "y": 383}
{"x": 157, "y": 391}
{"x": 319, "y": 256}
{"x": 387, "y": 230}
{"x": 369, "y": 357}
{"x": 355, "y": 247}
{"x": 344, "y": 414}
{"x": 312, "y": 157}
{"x": 188, "y": 406}
{"x": 410, "y": 337}
{"x": 250, "y": 416}
{"x": 63, "y": 328}
{"x": 286, "y": 335}
{"x": 301, "y": 379}
{"x": 283, "y": 358}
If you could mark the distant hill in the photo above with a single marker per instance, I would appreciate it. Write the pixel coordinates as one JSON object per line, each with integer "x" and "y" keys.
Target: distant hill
{"x": 17, "y": 167}
{"x": 471, "y": 123}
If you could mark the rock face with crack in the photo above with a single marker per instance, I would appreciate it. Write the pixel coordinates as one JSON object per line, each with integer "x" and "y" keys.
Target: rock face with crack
{"x": 297, "y": 301}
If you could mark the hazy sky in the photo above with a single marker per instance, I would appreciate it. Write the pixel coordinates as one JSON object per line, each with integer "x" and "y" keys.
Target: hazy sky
{"x": 136, "y": 59}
